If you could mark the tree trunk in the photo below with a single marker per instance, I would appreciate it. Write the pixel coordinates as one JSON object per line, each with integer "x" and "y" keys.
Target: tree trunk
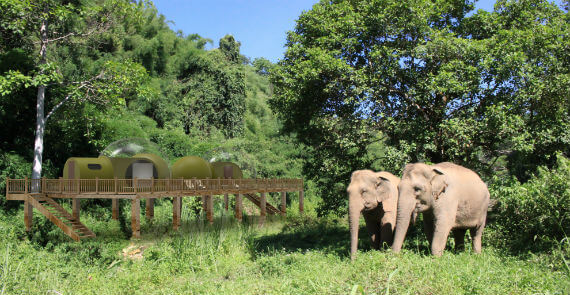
{"x": 40, "y": 104}
{"x": 39, "y": 138}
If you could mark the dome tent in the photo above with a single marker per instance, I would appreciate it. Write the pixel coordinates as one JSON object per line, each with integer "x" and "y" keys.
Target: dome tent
{"x": 160, "y": 166}
{"x": 137, "y": 157}
{"x": 191, "y": 167}
{"x": 88, "y": 168}
{"x": 120, "y": 167}
{"x": 218, "y": 170}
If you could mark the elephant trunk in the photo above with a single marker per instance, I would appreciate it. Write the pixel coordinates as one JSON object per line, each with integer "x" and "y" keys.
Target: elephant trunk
{"x": 354, "y": 221}
{"x": 406, "y": 206}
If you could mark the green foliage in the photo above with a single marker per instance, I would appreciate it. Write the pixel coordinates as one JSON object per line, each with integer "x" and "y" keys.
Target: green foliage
{"x": 230, "y": 48}
{"x": 364, "y": 84}
{"x": 213, "y": 96}
{"x": 534, "y": 215}
{"x": 132, "y": 76}
{"x": 121, "y": 80}
{"x": 439, "y": 85}
{"x": 11, "y": 166}
{"x": 262, "y": 66}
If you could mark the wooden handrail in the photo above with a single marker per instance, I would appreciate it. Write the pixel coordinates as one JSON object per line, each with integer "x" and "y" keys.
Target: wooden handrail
{"x": 134, "y": 186}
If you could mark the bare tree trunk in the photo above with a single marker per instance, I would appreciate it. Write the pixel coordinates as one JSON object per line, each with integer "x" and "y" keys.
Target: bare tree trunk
{"x": 40, "y": 104}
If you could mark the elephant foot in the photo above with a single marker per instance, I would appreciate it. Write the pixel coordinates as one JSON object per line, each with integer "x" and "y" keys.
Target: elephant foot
{"x": 437, "y": 253}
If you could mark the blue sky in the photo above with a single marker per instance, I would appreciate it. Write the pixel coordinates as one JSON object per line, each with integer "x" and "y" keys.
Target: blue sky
{"x": 260, "y": 25}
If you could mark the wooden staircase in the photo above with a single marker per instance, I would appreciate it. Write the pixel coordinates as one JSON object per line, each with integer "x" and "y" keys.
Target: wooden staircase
{"x": 257, "y": 201}
{"x": 60, "y": 217}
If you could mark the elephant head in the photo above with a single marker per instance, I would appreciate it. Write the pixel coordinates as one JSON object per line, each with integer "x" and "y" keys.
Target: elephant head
{"x": 420, "y": 187}
{"x": 366, "y": 191}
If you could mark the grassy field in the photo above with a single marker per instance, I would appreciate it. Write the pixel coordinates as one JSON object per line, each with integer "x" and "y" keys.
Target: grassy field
{"x": 297, "y": 255}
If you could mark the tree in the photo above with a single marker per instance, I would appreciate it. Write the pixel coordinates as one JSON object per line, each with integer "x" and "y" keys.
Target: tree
{"x": 207, "y": 90}
{"x": 48, "y": 23}
{"x": 230, "y": 48}
{"x": 262, "y": 66}
{"x": 424, "y": 79}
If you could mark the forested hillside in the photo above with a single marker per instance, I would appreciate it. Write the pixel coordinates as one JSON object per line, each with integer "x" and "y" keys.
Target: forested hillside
{"x": 114, "y": 70}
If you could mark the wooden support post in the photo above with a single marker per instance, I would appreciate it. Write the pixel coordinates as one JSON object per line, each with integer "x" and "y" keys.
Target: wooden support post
{"x": 263, "y": 207}
{"x": 301, "y": 201}
{"x": 28, "y": 213}
{"x": 238, "y": 208}
{"x": 226, "y": 202}
{"x": 76, "y": 207}
{"x": 43, "y": 188}
{"x": 283, "y": 203}
{"x": 179, "y": 211}
{"x": 115, "y": 209}
{"x": 210, "y": 208}
{"x": 150, "y": 208}
{"x": 136, "y": 218}
{"x": 204, "y": 204}
{"x": 175, "y": 213}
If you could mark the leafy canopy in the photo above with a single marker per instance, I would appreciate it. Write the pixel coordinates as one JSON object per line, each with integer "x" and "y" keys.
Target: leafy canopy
{"x": 427, "y": 80}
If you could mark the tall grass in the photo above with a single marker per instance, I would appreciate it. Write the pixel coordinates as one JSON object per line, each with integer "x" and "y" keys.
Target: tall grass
{"x": 297, "y": 255}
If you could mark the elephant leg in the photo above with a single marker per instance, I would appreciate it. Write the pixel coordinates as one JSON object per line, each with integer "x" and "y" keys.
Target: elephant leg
{"x": 459, "y": 237}
{"x": 373, "y": 227}
{"x": 388, "y": 224}
{"x": 441, "y": 231}
{"x": 476, "y": 234}
{"x": 428, "y": 226}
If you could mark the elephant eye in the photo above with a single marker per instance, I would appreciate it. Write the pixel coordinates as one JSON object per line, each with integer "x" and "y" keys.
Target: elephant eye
{"x": 417, "y": 188}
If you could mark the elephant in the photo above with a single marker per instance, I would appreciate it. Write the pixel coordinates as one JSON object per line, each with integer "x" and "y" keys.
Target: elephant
{"x": 375, "y": 195}
{"x": 450, "y": 197}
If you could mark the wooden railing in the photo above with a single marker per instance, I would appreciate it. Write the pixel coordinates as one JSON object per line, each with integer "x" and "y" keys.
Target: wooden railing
{"x": 143, "y": 186}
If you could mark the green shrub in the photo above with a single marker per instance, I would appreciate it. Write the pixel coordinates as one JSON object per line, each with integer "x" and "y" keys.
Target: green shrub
{"x": 13, "y": 166}
{"x": 535, "y": 215}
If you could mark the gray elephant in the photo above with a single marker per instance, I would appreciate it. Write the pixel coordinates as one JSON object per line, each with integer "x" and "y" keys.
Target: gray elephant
{"x": 375, "y": 195}
{"x": 451, "y": 198}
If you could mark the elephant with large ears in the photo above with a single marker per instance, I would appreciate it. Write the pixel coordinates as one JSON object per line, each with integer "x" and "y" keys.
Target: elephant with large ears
{"x": 375, "y": 195}
{"x": 451, "y": 198}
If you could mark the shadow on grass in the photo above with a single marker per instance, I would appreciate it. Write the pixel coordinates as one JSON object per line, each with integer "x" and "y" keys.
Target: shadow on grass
{"x": 330, "y": 236}
{"x": 301, "y": 234}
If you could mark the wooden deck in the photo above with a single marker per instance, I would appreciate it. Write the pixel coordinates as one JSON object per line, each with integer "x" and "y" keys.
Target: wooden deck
{"x": 41, "y": 194}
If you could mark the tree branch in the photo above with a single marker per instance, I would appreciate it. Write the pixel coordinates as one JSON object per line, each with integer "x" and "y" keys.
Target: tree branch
{"x": 408, "y": 99}
{"x": 84, "y": 84}
{"x": 58, "y": 106}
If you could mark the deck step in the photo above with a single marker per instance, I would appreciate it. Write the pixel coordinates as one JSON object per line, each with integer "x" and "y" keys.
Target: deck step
{"x": 60, "y": 217}
{"x": 255, "y": 199}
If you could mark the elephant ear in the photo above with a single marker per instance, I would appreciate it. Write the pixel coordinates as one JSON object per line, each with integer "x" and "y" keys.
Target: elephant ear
{"x": 407, "y": 169}
{"x": 438, "y": 183}
{"x": 385, "y": 194}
